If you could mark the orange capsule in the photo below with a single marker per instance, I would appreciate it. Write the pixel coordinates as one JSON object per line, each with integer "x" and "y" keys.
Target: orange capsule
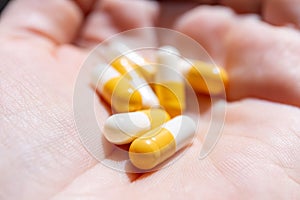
{"x": 205, "y": 78}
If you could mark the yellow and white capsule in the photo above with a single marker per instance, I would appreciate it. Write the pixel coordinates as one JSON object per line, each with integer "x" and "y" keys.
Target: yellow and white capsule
{"x": 159, "y": 144}
{"x": 115, "y": 89}
{"x": 123, "y": 128}
{"x": 169, "y": 83}
{"x": 204, "y": 77}
{"x": 130, "y": 64}
{"x": 131, "y": 58}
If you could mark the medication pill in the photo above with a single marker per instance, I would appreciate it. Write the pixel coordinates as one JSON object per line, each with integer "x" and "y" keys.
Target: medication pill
{"x": 115, "y": 89}
{"x": 127, "y": 62}
{"x": 123, "y": 128}
{"x": 159, "y": 144}
{"x": 131, "y": 58}
{"x": 205, "y": 78}
{"x": 169, "y": 84}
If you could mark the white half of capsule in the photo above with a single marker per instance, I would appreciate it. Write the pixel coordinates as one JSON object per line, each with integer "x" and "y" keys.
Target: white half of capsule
{"x": 188, "y": 64}
{"x": 116, "y": 50}
{"x": 169, "y": 58}
{"x": 167, "y": 52}
{"x": 124, "y": 127}
{"x": 182, "y": 129}
{"x": 185, "y": 65}
{"x": 102, "y": 73}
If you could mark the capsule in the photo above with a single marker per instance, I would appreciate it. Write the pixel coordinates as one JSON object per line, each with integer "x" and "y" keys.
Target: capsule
{"x": 115, "y": 89}
{"x": 205, "y": 78}
{"x": 169, "y": 83}
{"x": 123, "y": 128}
{"x": 131, "y": 58}
{"x": 131, "y": 65}
{"x": 159, "y": 144}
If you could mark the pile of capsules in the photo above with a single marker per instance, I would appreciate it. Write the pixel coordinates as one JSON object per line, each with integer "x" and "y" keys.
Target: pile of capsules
{"x": 149, "y": 116}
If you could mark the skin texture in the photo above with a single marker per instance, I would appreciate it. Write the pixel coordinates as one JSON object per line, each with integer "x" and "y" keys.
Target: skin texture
{"x": 41, "y": 155}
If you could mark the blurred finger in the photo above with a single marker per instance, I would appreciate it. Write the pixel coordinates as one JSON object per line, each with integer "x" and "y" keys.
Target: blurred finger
{"x": 262, "y": 61}
{"x": 112, "y": 16}
{"x": 282, "y": 12}
{"x": 276, "y": 12}
{"x": 55, "y": 20}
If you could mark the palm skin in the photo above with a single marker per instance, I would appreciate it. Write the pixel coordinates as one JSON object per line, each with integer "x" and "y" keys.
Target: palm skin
{"x": 257, "y": 156}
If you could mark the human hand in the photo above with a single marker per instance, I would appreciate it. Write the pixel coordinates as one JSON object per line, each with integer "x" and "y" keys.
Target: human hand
{"x": 43, "y": 45}
{"x": 257, "y": 156}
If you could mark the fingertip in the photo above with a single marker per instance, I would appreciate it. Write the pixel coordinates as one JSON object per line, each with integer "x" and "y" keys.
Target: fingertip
{"x": 115, "y": 16}
{"x": 131, "y": 13}
{"x": 208, "y": 25}
{"x": 204, "y": 16}
{"x": 212, "y": 9}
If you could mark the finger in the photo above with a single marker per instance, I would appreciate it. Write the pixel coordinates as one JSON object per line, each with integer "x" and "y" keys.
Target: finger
{"x": 282, "y": 12}
{"x": 262, "y": 61}
{"x": 56, "y": 20}
{"x": 208, "y": 33}
{"x": 112, "y": 16}
{"x": 276, "y": 12}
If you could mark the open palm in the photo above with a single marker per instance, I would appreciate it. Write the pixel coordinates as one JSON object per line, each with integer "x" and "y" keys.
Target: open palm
{"x": 42, "y": 47}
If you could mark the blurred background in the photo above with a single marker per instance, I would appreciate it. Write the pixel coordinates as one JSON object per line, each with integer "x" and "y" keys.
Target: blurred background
{"x": 3, "y": 4}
